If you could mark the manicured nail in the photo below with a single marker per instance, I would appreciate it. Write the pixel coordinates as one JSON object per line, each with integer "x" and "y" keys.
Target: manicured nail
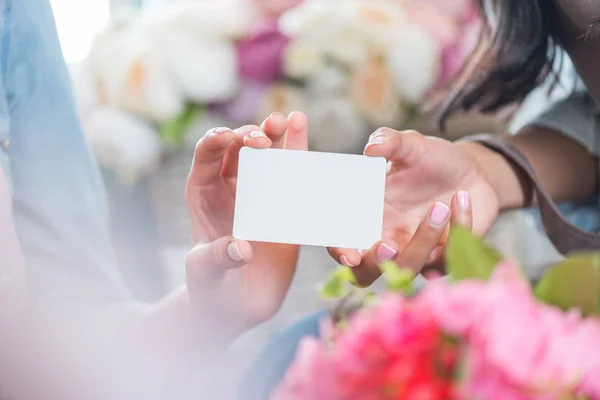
{"x": 257, "y": 134}
{"x": 217, "y": 131}
{"x": 344, "y": 261}
{"x": 276, "y": 114}
{"x": 439, "y": 213}
{"x": 385, "y": 253}
{"x": 233, "y": 251}
{"x": 464, "y": 202}
{"x": 375, "y": 141}
{"x": 376, "y": 134}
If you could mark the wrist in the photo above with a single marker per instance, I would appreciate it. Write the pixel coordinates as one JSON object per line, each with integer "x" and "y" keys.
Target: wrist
{"x": 511, "y": 186}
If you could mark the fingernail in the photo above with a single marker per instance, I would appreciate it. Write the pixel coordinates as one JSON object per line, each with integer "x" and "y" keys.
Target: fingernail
{"x": 344, "y": 261}
{"x": 217, "y": 131}
{"x": 276, "y": 114}
{"x": 257, "y": 134}
{"x": 439, "y": 213}
{"x": 464, "y": 202}
{"x": 376, "y": 134}
{"x": 375, "y": 141}
{"x": 233, "y": 251}
{"x": 385, "y": 253}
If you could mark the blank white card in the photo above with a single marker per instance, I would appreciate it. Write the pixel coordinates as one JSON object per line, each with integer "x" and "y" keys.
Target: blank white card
{"x": 309, "y": 198}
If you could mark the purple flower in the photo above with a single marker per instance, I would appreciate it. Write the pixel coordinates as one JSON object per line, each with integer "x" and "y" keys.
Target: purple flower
{"x": 260, "y": 55}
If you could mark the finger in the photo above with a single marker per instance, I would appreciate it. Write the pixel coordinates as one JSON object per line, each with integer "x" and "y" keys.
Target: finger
{"x": 462, "y": 213}
{"x": 249, "y": 135}
{"x": 426, "y": 238}
{"x": 347, "y": 257}
{"x": 296, "y": 136}
{"x": 404, "y": 148}
{"x": 206, "y": 264}
{"x": 209, "y": 155}
{"x": 369, "y": 271}
{"x": 275, "y": 127}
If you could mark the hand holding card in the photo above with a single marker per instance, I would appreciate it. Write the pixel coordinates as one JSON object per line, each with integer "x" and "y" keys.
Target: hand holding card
{"x": 308, "y": 198}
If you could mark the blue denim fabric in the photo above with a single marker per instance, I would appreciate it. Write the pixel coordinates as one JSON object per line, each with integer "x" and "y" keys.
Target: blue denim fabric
{"x": 273, "y": 361}
{"x": 59, "y": 198}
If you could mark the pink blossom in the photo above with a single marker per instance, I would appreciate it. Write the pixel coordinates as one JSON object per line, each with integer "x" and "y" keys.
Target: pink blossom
{"x": 260, "y": 54}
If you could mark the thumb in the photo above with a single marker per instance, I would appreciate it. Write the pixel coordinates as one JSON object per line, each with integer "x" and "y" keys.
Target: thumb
{"x": 207, "y": 264}
{"x": 405, "y": 148}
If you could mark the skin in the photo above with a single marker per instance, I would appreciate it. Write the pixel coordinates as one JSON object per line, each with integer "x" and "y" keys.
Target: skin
{"x": 428, "y": 170}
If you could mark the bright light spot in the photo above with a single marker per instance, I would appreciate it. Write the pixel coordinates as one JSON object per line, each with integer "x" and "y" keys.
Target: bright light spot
{"x": 78, "y": 22}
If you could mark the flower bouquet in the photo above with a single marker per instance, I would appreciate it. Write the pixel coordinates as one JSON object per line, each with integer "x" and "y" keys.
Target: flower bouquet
{"x": 486, "y": 333}
{"x": 153, "y": 78}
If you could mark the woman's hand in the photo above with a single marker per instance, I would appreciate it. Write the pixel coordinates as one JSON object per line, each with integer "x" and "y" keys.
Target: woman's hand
{"x": 425, "y": 176}
{"x": 232, "y": 279}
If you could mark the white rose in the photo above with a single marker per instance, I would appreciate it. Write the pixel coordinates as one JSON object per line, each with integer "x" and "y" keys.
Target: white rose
{"x": 330, "y": 80}
{"x": 376, "y": 95}
{"x": 205, "y": 70}
{"x": 132, "y": 75}
{"x": 302, "y": 59}
{"x": 123, "y": 142}
{"x": 280, "y": 98}
{"x": 223, "y": 19}
{"x": 335, "y": 125}
{"x": 414, "y": 61}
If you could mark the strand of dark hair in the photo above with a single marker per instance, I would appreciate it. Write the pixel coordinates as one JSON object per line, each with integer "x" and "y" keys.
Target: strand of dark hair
{"x": 516, "y": 52}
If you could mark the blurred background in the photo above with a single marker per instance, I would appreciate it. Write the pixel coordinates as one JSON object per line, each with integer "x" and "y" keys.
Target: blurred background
{"x": 151, "y": 76}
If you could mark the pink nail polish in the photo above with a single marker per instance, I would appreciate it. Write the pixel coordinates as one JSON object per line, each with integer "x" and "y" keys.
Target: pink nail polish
{"x": 385, "y": 253}
{"x": 344, "y": 261}
{"x": 464, "y": 201}
{"x": 234, "y": 253}
{"x": 439, "y": 213}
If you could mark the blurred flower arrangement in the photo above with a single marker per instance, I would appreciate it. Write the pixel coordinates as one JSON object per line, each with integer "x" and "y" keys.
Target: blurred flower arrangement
{"x": 485, "y": 334}
{"x": 150, "y": 77}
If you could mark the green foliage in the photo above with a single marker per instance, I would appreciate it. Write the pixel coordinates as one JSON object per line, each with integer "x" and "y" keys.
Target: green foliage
{"x": 468, "y": 257}
{"x": 397, "y": 279}
{"x": 573, "y": 283}
{"x": 172, "y": 132}
{"x": 338, "y": 283}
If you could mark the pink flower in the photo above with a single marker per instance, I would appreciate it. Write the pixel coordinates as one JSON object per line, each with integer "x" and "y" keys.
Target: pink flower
{"x": 455, "y": 56}
{"x": 311, "y": 376}
{"x": 260, "y": 55}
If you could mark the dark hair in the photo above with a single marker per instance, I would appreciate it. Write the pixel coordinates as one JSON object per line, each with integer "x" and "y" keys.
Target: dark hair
{"x": 516, "y": 52}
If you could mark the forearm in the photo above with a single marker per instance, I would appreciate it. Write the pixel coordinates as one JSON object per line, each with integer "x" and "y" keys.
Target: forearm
{"x": 565, "y": 168}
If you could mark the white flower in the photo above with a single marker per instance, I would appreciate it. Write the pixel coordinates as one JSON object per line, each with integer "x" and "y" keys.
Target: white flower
{"x": 335, "y": 125}
{"x": 330, "y": 80}
{"x": 302, "y": 59}
{"x": 414, "y": 61}
{"x": 132, "y": 75}
{"x": 123, "y": 142}
{"x": 231, "y": 19}
{"x": 205, "y": 70}
{"x": 375, "y": 94}
{"x": 280, "y": 98}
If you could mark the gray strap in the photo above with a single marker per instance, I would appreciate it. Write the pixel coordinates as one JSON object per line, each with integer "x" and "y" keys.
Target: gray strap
{"x": 565, "y": 236}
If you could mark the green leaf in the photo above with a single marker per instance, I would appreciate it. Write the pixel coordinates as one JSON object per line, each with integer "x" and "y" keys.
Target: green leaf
{"x": 573, "y": 283}
{"x": 337, "y": 283}
{"x": 468, "y": 257}
{"x": 397, "y": 279}
{"x": 173, "y": 132}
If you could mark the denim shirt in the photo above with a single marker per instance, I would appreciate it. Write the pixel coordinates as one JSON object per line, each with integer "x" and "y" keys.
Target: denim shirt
{"x": 59, "y": 200}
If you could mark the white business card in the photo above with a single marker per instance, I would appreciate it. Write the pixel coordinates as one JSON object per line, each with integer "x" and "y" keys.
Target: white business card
{"x": 309, "y": 198}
